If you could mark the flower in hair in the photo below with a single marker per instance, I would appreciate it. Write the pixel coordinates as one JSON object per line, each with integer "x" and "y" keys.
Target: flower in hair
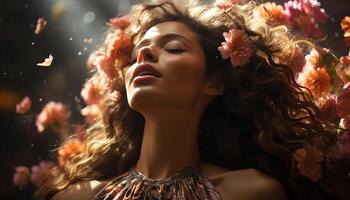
{"x": 119, "y": 22}
{"x": 345, "y": 25}
{"x": 238, "y": 47}
{"x": 309, "y": 162}
{"x": 225, "y": 4}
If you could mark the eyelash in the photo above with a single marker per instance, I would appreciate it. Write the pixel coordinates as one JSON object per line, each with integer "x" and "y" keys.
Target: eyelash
{"x": 174, "y": 50}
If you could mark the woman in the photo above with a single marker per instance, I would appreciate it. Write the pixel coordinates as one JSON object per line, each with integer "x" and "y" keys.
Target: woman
{"x": 208, "y": 109}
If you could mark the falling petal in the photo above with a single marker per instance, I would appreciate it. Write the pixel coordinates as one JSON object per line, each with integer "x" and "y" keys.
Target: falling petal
{"x": 40, "y": 25}
{"x": 47, "y": 62}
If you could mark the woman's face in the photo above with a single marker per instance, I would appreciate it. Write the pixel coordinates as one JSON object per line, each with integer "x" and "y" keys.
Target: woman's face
{"x": 171, "y": 52}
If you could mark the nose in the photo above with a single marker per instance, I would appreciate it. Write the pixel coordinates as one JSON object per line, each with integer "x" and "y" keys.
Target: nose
{"x": 147, "y": 53}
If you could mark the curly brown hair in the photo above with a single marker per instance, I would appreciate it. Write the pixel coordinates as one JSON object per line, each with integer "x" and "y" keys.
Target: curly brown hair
{"x": 262, "y": 117}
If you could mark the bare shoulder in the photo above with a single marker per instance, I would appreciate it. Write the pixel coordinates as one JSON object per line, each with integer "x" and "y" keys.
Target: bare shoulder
{"x": 247, "y": 184}
{"x": 79, "y": 191}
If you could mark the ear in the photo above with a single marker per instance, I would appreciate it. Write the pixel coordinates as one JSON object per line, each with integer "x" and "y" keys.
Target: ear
{"x": 214, "y": 86}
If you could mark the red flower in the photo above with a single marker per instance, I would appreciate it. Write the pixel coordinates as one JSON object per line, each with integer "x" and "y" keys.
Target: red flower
{"x": 52, "y": 114}
{"x": 237, "y": 47}
{"x": 71, "y": 148}
{"x": 40, "y": 172}
{"x": 309, "y": 159}
{"x": 21, "y": 176}
{"x": 119, "y": 22}
{"x": 24, "y": 106}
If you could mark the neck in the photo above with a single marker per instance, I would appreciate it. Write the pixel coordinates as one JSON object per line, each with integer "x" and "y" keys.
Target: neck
{"x": 170, "y": 143}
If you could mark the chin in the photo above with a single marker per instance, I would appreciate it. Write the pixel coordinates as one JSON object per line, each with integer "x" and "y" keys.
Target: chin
{"x": 140, "y": 99}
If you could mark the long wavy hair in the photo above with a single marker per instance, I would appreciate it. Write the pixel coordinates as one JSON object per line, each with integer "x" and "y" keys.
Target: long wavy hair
{"x": 262, "y": 117}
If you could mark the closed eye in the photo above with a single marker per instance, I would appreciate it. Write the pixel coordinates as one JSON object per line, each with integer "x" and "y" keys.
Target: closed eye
{"x": 174, "y": 50}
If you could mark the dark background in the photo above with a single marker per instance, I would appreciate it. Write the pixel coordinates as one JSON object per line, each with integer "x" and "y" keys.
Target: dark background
{"x": 69, "y": 22}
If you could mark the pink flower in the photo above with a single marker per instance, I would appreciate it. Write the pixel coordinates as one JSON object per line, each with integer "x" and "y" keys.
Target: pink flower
{"x": 52, "y": 114}
{"x": 305, "y": 15}
{"x": 314, "y": 10}
{"x": 21, "y": 177}
{"x": 343, "y": 101}
{"x": 328, "y": 107}
{"x": 237, "y": 46}
{"x": 119, "y": 22}
{"x": 91, "y": 92}
{"x": 345, "y": 26}
{"x": 91, "y": 112}
{"x": 40, "y": 25}
{"x": 24, "y": 106}
{"x": 114, "y": 96}
{"x": 91, "y": 65}
{"x": 226, "y": 4}
{"x": 308, "y": 159}
{"x": 40, "y": 172}
{"x": 345, "y": 60}
{"x": 119, "y": 46}
{"x": 105, "y": 67}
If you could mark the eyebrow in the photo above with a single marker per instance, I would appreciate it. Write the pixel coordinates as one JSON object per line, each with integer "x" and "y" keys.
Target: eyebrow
{"x": 163, "y": 38}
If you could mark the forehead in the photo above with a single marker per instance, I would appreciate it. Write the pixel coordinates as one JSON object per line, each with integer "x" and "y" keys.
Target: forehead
{"x": 170, "y": 27}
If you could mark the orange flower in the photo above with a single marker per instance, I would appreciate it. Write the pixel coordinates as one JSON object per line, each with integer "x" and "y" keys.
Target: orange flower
{"x": 52, "y": 114}
{"x": 317, "y": 80}
{"x": 24, "y": 106}
{"x": 313, "y": 58}
{"x": 70, "y": 149}
{"x": 309, "y": 159}
{"x": 237, "y": 47}
{"x": 272, "y": 12}
{"x": 119, "y": 22}
{"x": 21, "y": 177}
{"x": 298, "y": 61}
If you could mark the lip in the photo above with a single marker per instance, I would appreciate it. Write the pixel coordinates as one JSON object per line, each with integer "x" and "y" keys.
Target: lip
{"x": 145, "y": 67}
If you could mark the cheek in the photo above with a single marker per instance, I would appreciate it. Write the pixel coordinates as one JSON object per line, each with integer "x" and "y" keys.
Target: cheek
{"x": 185, "y": 69}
